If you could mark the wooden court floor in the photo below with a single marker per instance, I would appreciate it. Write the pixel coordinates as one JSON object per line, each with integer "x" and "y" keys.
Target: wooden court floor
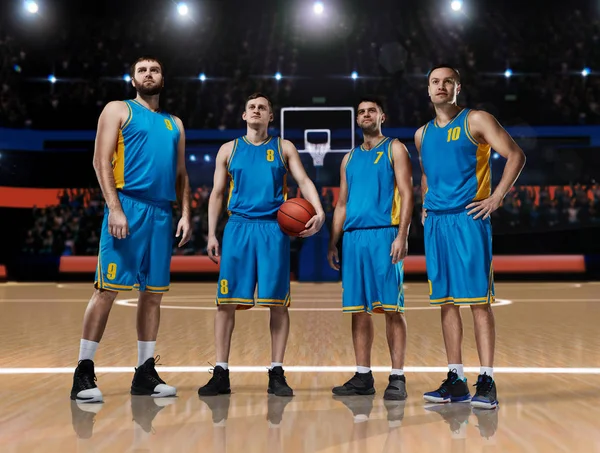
{"x": 547, "y": 371}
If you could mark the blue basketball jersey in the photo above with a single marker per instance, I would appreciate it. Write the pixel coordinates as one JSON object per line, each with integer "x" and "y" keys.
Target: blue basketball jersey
{"x": 373, "y": 197}
{"x": 145, "y": 161}
{"x": 458, "y": 168}
{"x": 258, "y": 179}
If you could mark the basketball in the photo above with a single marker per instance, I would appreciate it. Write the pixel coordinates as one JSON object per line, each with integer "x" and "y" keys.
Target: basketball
{"x": 294, "y": 214}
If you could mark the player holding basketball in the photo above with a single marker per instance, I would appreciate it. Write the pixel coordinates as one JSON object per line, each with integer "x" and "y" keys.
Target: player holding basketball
{"x": 374, "y": 210}
{"x": 255, "y": 251}
{"x": 454, "y": 150}
{"x": 140, "y": 164}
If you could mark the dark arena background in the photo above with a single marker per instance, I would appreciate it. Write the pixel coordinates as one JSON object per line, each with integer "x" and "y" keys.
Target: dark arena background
{"x": 533, "y": 65}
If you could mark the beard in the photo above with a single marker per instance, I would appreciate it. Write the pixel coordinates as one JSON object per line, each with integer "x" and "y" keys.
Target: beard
{"x": 369, "y": 128}
{"x": 148, "y": 90}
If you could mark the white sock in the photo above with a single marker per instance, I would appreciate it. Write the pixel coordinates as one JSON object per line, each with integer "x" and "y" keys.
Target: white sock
{"x": 363, "y": 369}
{"x": 274, "y": 364}
{"x": 397, "y": 372}
{"x": 458, "y": 367}
{"x": 487, "y": 370}
{"x": 87, "y": 349}
{"x": 145, "y": 351}
{"x": 223, "y": 365}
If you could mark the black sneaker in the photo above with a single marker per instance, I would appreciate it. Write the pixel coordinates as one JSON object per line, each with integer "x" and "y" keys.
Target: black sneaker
{"x": 218, "y": 383}
{"x": 396, "y": 389}
{"x": 84, "y": 388}
{"x": 277, "y": 383}
{"x": 485, "y": 396}
{"x": 83, "y": 417}
{"x": 359, "y": 384}
{"x": 452, "y": 390}
{"x": 146, "y": 381}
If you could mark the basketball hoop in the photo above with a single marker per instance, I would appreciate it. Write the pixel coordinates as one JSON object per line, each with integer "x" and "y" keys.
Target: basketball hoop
{"x": 317, "y": 152}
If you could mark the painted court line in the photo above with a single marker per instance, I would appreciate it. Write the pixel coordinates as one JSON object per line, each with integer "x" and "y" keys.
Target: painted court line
{"x": 133, "y": 303}
{"x": 304, "y": 369}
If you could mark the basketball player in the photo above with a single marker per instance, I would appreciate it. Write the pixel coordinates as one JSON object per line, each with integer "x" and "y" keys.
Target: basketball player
{"x": 458, "y": 200}
{"x": 255, "y": 251}
{"x": 139, "y": 160}
{"x": 374, "y": 210}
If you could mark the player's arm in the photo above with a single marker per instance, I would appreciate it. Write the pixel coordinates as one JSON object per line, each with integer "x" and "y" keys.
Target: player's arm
{"x": 403, "y": 174}
{"x": 339, "y": 217}
{"x": 215, "y": 201}
{"x": 111, "y": 119}
{"x": 306, "y": 186}
{"x": 486, "y": 129}
{"x": 418, "y": 138}
{"x": 182, "y": 188}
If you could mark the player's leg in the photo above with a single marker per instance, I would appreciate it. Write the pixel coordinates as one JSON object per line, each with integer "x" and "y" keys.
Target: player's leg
{"x": 84, "y": 389}
{"x": 354, "y": 301}
{"x": 387, "y": 289}
{"x": 235, "y": 291}
{"x": 118, "y": 261}
{"x": 273, "y": 291}
{"x": 154, "y": 280}
{"x": 478, "y": 292}
{"x": 438, "y": 231}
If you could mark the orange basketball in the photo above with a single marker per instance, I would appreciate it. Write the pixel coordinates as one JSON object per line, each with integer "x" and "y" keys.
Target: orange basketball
{"x": 294, "y": 214}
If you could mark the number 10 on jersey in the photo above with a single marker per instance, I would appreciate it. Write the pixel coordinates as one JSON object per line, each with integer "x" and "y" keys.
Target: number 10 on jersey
{"x": 453, "y": 134}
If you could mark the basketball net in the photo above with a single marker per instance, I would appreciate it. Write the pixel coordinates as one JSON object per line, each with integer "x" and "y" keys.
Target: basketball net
{"x": 317, "y": 152}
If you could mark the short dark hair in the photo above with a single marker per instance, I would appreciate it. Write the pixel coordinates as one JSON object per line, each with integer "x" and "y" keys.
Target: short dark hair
{"x": 440, "y": 66}
{"x": 374, "y": 99}
{"x": 256, "y": 96}
{"x": 144, "y": 58}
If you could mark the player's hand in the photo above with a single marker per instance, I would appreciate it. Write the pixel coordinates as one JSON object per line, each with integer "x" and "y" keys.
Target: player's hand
{"x": 484, "y": 207}
{"x": 117, "y": 224}
{"x": 313, "y": 226}
{"x": 213, "y": 249}
{"x": 333, "y": 258}
{"x": 399, "y": 249}
{"x": 184, "y": 230}
{"x": 423, "y": 216}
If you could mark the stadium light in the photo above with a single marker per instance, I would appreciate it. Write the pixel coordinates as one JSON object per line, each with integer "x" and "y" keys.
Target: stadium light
{"x": 456, "y": 5}
{"x": 207, "y": 158}
{"x": 585, "y": 72}
{"x": 318, "y": 8}
{"x": 278, "y": 76}
{"x": 51, "y": 78}
{"x": 354, "y": 75}
{"x": 31, "y": 6}
{"x": 127, "y": 78}
{"x": 202, "y": 77}
{"x": 192, "y": 158}
{"x": 182, "y": 9}
{"x": 508, "y": 73}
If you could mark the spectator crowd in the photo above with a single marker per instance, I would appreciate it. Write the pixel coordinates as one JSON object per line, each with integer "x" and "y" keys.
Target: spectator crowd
{"x": 74, "y": 225}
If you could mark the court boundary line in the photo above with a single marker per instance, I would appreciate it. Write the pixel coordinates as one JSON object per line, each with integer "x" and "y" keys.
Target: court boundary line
{"x": 305, "y": 369}
{"x": 133, "y": 303}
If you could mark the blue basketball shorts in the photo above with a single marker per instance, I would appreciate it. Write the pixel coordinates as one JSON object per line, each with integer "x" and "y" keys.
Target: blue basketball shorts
{"x": 143, "y": 259}
{"x": 255, "y": 261}
{"x": 370, "y": 281}
{"x": 458, "y": 255}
